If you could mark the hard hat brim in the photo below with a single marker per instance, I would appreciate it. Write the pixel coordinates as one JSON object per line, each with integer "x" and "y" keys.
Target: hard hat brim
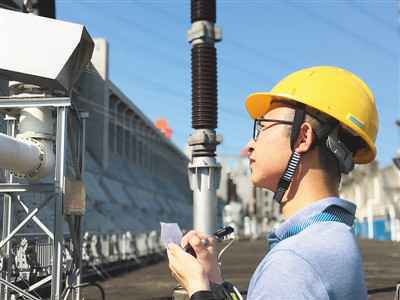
{"x": 258, "y": 104}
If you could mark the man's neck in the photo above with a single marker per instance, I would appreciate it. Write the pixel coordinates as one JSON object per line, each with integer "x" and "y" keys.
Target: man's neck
{"x": 310, "y": 189}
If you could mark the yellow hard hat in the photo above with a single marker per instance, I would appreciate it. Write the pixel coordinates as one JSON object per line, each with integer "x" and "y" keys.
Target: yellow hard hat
{"x": 333, "y": 91}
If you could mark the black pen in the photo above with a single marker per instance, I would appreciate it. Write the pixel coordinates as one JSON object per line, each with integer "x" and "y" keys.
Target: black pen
{"x": 219, "y": 235}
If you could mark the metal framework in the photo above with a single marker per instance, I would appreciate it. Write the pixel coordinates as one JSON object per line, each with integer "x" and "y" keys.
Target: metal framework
{"x": 11, "y": 191}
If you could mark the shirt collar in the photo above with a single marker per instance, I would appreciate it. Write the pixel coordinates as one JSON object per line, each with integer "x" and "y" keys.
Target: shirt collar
{"x": 312, "y": 210}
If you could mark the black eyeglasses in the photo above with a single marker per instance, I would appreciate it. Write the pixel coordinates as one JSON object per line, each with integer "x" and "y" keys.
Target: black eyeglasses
{"x": 258, "y": 127}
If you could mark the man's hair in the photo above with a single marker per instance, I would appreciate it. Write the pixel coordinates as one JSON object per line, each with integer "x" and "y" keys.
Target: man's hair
{"x": 327, "y": 159}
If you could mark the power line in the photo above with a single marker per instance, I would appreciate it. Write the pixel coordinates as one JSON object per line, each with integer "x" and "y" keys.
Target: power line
{"x": 164, "y": 56}
{"x": 174, "y": 60}
{"x": 180, "y": 95}
{"x": 116, "y": 117}
{"x": 231, "y": 65}
{"x": 166, "y": 89}
{"x": 234, "y": 43}
{"x": 340, "y": 28}
{"x": 165, "y": 13}
{"x": 260, "y": 54}
{"x": 372, "y": 16}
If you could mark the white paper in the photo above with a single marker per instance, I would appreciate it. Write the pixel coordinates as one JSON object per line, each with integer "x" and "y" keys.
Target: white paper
{"x": 170, "y": 233}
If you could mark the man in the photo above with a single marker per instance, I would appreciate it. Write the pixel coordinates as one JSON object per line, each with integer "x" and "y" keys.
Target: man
{"x": 312, "y": 127}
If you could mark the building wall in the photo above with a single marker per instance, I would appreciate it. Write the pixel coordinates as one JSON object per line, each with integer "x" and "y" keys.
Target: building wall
{"x": 375, "y": 191}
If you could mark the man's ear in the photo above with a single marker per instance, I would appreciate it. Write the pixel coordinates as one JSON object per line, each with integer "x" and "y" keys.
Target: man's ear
{"x": 306, "y": 138}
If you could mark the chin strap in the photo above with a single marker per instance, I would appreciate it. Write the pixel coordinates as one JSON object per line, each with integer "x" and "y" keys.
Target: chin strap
{"x": 287, "y": 176}
{"x": 294, "y": 160}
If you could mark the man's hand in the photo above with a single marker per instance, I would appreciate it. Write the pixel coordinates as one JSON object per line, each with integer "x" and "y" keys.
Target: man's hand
{"x": 206, "y": 255}
{"x": 187, "y": 270}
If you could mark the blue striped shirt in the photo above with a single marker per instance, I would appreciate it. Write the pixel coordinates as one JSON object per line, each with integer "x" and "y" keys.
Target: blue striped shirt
{"x": 314, "y": 255}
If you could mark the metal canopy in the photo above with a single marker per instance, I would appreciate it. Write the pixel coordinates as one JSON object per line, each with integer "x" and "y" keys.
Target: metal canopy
{"x": 12, "y": 4}
{"x": 42, "y": 51}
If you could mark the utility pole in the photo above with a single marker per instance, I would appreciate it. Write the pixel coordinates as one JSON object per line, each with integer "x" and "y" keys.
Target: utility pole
{"x": 204, "y": 170}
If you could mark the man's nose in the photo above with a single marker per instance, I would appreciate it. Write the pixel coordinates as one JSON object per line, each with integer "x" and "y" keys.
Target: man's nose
{"x": 249, "y": 148}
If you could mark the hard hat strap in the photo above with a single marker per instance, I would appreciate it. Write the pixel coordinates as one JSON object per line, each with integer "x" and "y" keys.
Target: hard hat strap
{"x": 287, "y": 176}
{"x": 294, "y": 160}
{"x": 298, "y": 119}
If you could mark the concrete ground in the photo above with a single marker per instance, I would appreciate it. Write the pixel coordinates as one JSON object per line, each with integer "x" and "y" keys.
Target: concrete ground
{"x": 381, "y": 264}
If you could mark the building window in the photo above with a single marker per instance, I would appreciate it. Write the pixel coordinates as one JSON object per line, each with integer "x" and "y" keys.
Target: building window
{"x": 119, "y": 139}
{"x": 127, "y": 142}
{"x": 133, "y": 148}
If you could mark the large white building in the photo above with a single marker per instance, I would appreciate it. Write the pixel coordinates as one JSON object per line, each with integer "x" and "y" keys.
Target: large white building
{"x": 375, "y": 191}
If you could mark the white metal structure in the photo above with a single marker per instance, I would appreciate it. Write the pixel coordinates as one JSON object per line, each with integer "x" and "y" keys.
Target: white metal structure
{"x": 55, "y": 191}
{"x": 133, "y": 174}
{"x": 58, "y": 52}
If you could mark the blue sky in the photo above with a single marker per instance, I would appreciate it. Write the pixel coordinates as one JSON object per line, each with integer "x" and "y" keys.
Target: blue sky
{"x": 262, "y": 42}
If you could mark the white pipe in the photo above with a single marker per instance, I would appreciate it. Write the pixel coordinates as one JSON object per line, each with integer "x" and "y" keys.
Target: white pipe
{"x": 20, "y": 156}
{"x": 30, "y": 159}
{"x": 30, "y": 154}
{"x": 37, "y": 125}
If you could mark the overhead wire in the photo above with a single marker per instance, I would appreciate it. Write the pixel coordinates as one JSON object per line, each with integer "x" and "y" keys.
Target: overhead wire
{"x": 166, "y": 89}
{"x": 232, "y": 42}
{"x": 261, "y": 54}
{"x": 180, "y": 95}
{"x": 115, "y": 118}
{"x": 372, "y": 16}
{"x": 148, "y": 30}
{"x": 324, "y": 20}
{"x": 176, "y": 62}
{"x": 276, "y": 60}
{"x": 101, "y": 107}
{"x": 308, "y": 11}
